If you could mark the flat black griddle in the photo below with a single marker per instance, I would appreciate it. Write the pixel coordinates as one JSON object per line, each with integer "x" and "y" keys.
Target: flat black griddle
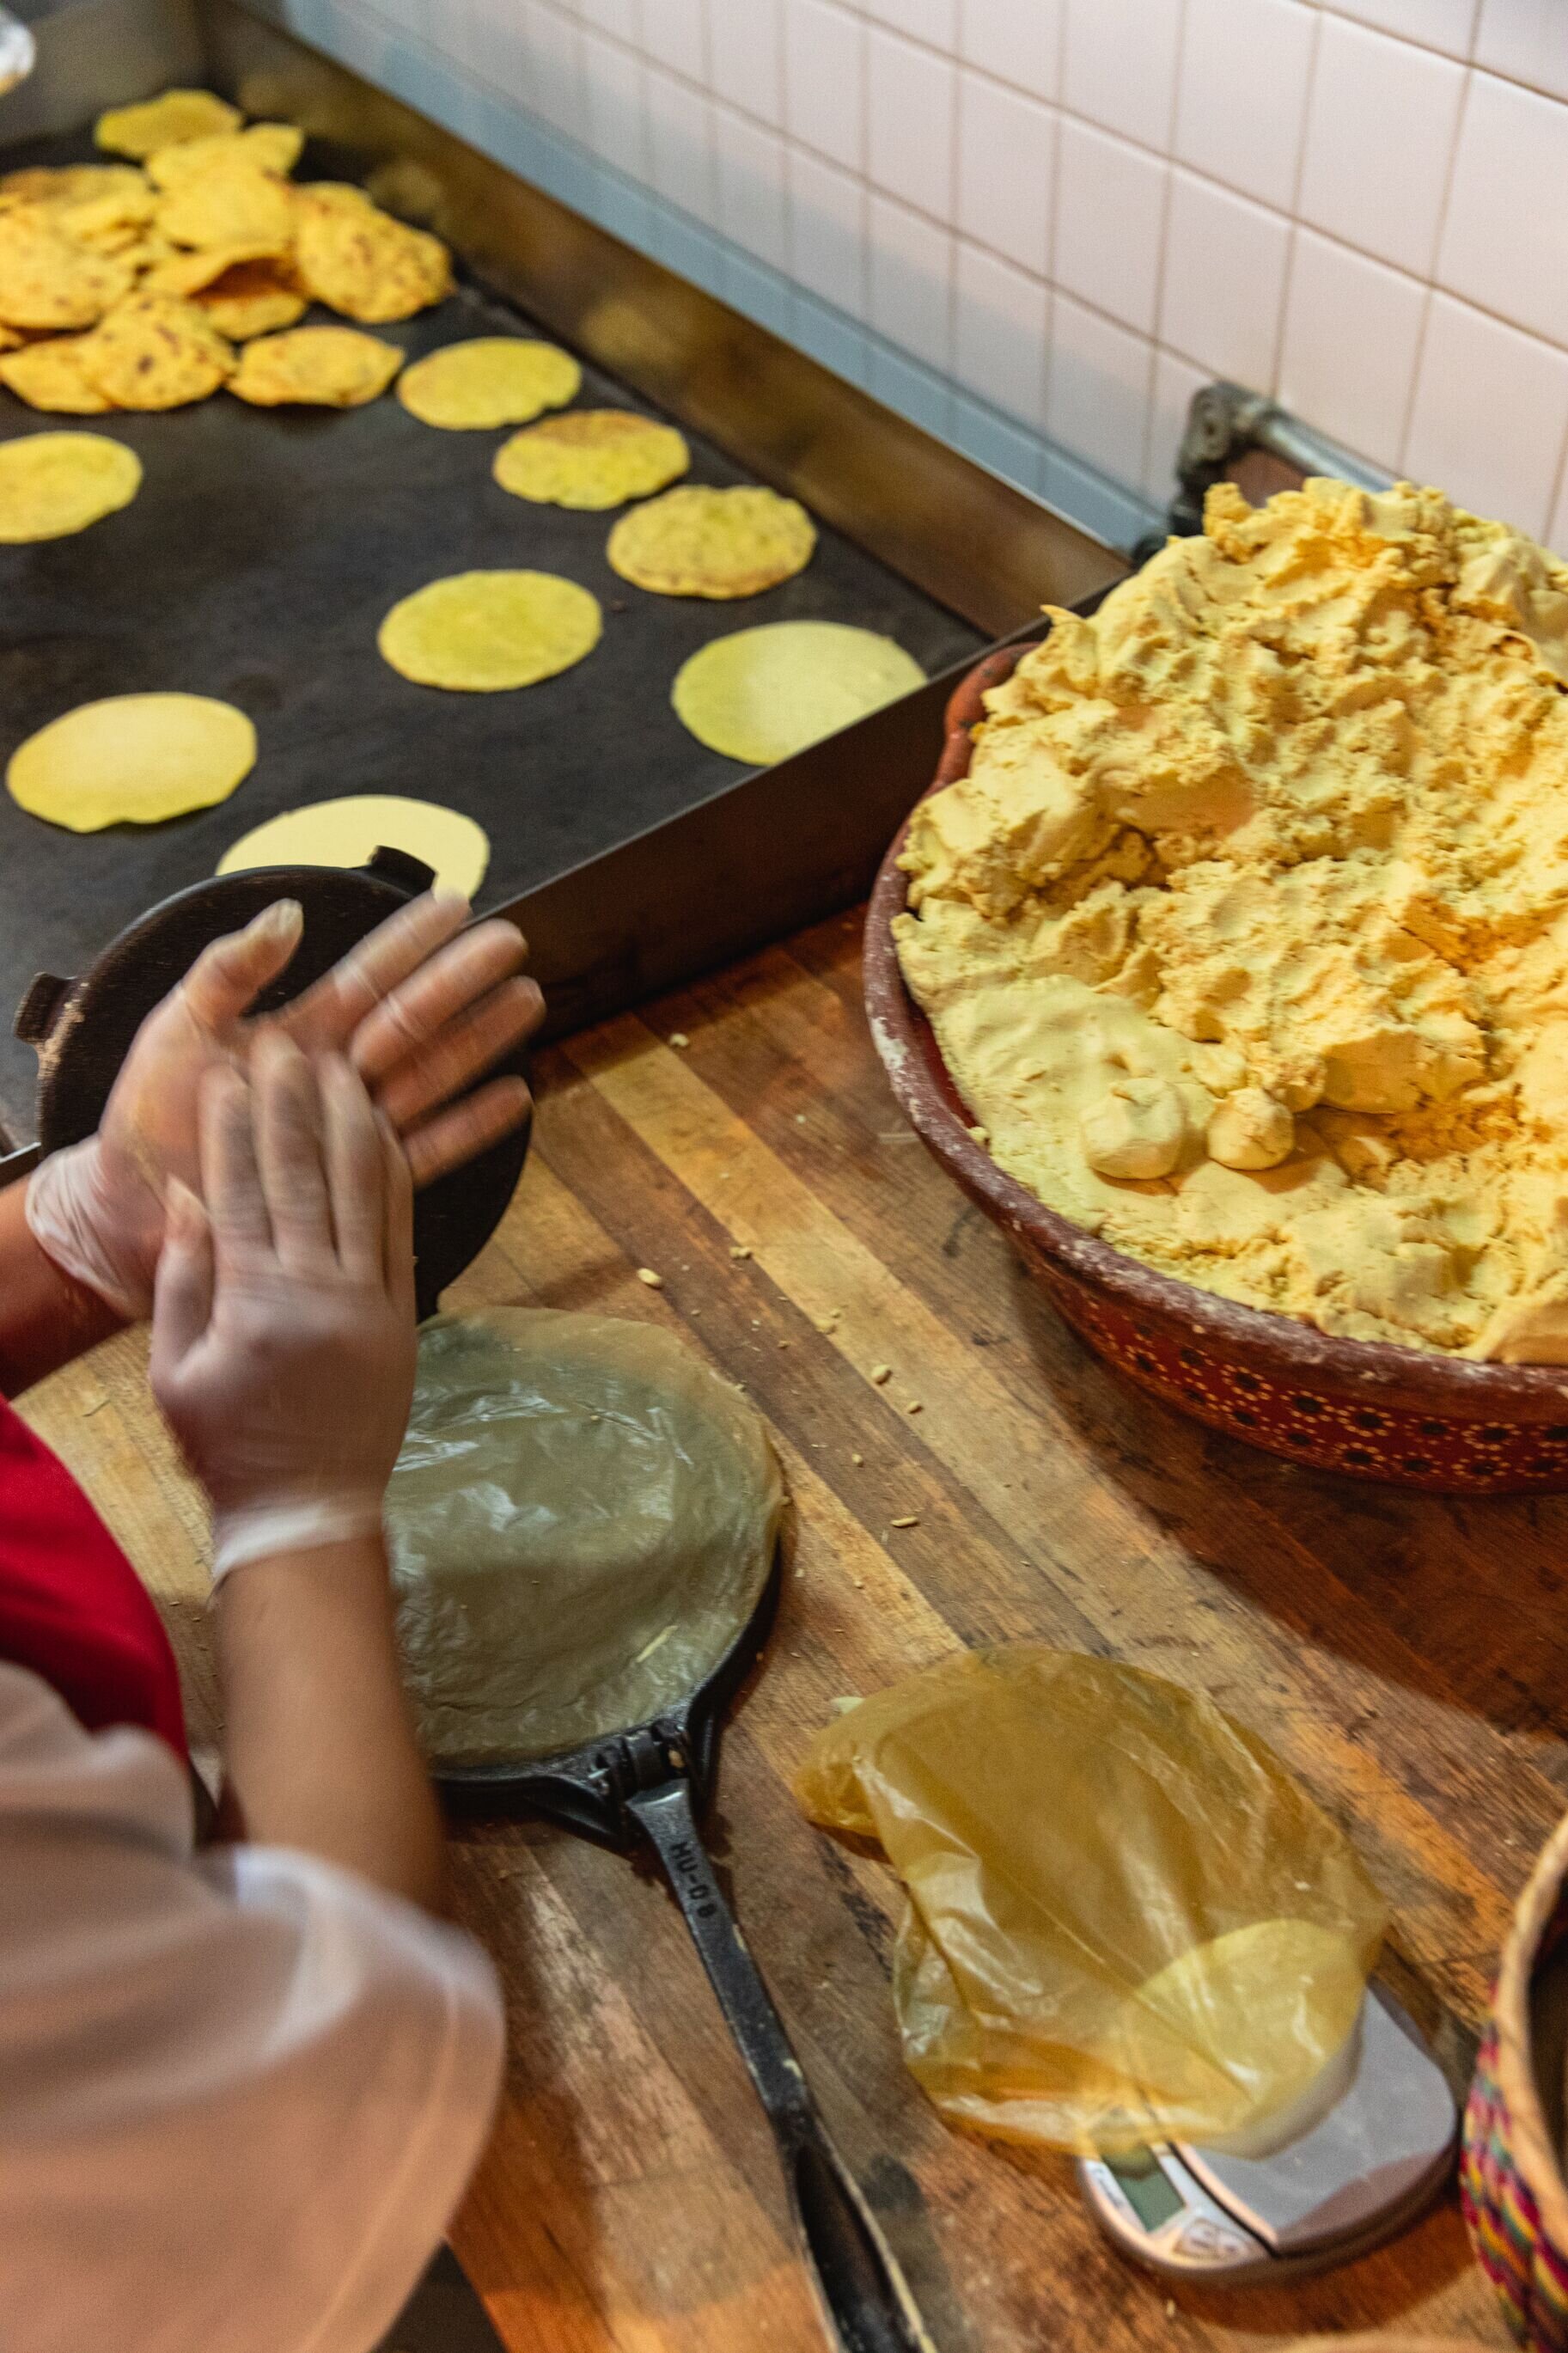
{"x": 256, "y": 563}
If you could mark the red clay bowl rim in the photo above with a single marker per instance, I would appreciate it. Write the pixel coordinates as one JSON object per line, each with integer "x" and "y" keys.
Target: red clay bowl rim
{"x": 1255, "y": 1335}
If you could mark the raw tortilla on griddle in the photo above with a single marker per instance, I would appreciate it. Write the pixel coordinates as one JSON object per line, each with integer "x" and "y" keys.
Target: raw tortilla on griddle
{"x": 582, "y": 1521}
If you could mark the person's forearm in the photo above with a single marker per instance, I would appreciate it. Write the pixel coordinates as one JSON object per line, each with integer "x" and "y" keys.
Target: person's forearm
{"x": 319, "y": 1749}
{"x": 45, "y": 1318}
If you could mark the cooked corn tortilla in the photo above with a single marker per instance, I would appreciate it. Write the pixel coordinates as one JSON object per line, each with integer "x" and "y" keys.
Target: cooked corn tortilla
{"x": 345, "y": 832}
{"x": 762, "y": 694}
{"x": 581, "y": 1522}
{"x": 594, "y": 458}
{"x": 328, "y": 367}
{"x": 490, "y": 380}
{"x": 48, "y": 281}
{"x": 483, "y": 632}
{"x": 359, "y": 260}
{"x": 697, "y": 542}
{"x": 50, "y": 375}
{"x": 167, "y": 120}
{"x": 52, "y": 484}
{"x": 132, "y": 759}
{"x": 154, "y": 350}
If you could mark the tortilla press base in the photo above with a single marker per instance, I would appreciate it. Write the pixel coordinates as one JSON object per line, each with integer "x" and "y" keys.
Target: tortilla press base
{"x": 82, "y": 1029}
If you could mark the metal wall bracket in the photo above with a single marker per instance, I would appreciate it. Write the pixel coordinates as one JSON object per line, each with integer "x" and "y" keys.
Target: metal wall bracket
{"x": 1225, "y": 423}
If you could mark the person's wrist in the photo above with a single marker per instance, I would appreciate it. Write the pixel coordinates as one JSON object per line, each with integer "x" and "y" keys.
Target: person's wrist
{"x": 353, "y": 1567}
{"x": 292, "y": 1522}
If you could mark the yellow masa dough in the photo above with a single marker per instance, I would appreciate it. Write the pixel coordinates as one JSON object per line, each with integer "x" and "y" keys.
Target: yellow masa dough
{"x": 697, "y": 542}
{"x": 1260, "y": 877}
{"x": 167, "y": 120}
{"x": 594, "y": 458}
{"x": 762, "y": 694}
{"x": 481, "y": 632}
{"x": 132, "y": 759}
{"x": 346, "y": 832}
{"x": 52, "y": 484}
{"x": 491, "y": 380}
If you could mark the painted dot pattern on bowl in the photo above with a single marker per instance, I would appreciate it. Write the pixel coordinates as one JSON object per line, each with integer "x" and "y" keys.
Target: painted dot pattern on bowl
{"x": 1331, "y": 1431}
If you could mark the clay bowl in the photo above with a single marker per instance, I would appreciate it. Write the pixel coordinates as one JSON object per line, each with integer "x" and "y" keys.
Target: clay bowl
{"x": 1367, "y": 1408}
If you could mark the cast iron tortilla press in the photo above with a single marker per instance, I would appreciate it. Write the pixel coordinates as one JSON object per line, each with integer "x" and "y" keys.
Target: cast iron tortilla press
{"x": 82, "y": 1030}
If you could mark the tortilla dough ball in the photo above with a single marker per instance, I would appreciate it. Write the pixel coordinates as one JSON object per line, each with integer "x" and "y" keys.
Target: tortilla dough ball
{"x": 1250, "y": 1130}
{"x": 1136, "y": 1129}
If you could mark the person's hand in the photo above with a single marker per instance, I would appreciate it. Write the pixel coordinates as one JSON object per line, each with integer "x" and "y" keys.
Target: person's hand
{"x": 283, "y": 1333}
{"x": 420, "y": 1012}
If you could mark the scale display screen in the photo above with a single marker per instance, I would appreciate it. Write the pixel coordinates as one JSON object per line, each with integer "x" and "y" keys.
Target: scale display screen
{"x": 1148, "y": 2191}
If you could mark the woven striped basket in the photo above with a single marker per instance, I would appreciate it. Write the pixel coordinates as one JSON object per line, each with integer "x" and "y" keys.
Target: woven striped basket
{"x": 1510, "y": 2176}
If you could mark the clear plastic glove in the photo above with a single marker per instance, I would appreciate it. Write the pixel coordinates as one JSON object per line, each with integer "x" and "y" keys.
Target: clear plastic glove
{"x": 283, "y": 1336}
{"x": 419, "y": 1011}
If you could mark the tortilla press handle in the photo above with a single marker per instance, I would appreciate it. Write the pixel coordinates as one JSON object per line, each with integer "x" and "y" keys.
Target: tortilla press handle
{"x": 401, "y": 866}
{"x": 863, "y": 2295}
{"x": 46, "y": 999}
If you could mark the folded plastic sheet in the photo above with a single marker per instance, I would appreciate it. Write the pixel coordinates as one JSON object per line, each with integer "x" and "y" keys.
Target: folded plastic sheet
{"x": 582, "y": 1521}
{"x": 1126, "y": 1922}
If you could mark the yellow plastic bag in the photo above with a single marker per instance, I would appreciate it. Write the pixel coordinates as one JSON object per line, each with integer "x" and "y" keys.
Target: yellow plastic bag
{"x": 1126, "y": 1922}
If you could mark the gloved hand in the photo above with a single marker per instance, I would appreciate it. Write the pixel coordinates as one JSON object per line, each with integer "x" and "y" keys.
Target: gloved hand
{"x": 419, "y": 1011}
{"x": 283, "y": 1335}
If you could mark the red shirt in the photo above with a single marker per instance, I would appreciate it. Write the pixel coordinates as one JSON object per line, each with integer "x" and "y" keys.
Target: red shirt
{"x": 72, "y": 1609}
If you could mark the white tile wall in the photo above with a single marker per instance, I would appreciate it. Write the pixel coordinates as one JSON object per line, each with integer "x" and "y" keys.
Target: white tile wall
{"x": 1352, "y": 331}
{"x": 1224, "y": 282}
{"x": 1019, "y": 41}
{"x": 1042, "y": 224}
{"x": 1007, "y": 171}
{"x": 1491, "y": 409}
{"x": 908, "y": 121}
{"x": 752, "y": 188}
{"x": 1119, "y": 65}
{"x": 1505, "y": 254}
{"x": 675, "y": 32}
{"x": 828, "y": 232}
{"x": 910, "y": 281}
{"x": 1446, "y": 25}
{"x": 824, "y": 79}
{"x": 612, "y": 84}
{"x": 1241, "y": 99}
{"x": 1110, "y": 215}
{"x": 1526, "y": 38}
{"x": 745, "y": 57}
{"x": 1097, "y": 396}
{"x": 1380, "y": 142}
{"x": 680, "y": 142}
{"x": 999, "y": 334}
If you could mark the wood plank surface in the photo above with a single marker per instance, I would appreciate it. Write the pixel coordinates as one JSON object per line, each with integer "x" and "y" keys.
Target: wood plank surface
{"x": 1406, "y": 1656}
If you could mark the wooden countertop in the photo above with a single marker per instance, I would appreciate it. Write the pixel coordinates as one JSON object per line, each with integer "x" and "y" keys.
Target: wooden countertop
{"x": 1407, "y": 1657}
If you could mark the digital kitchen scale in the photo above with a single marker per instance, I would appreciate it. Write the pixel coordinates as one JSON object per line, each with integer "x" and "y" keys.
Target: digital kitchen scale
{"x": 1352, "y": 2180}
